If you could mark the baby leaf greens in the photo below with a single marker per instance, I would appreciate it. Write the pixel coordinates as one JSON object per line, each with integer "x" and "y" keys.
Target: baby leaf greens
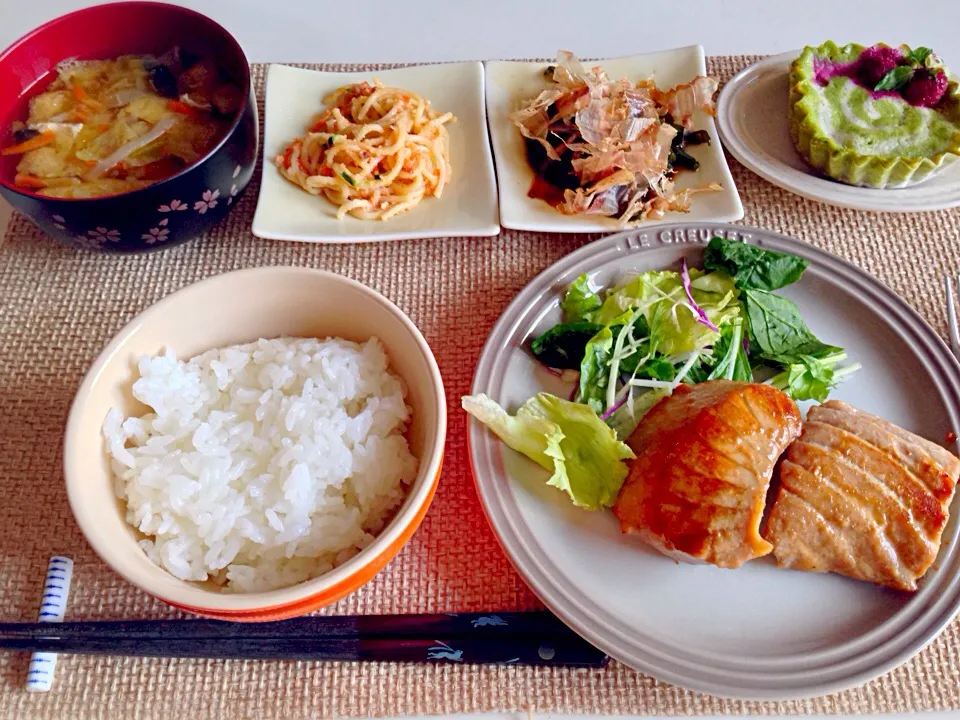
{"x": 780, "y": 337}
{"x": 638, "y": 341}
{"x": 782, "y": 340}
{"x": 734, "y": 363}
{"x": 563, "y": 346}
{"x": 661, "y": 328}
{"x": 753, "y": 268}
{"x": 778, "y": 330}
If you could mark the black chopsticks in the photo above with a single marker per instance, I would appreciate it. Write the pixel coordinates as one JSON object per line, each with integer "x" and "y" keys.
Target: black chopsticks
{"x": 523, "y": 638}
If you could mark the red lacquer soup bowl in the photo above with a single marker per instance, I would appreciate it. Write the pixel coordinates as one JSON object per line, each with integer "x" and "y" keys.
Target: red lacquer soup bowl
{"x": 172, "y": 210}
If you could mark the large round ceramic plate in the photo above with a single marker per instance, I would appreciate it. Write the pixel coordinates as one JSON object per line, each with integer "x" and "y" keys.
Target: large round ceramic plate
{"x": 752, "y": 117}
{"x": 757, "y": 632}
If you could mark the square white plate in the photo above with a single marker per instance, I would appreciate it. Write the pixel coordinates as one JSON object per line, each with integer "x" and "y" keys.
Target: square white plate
{"x": 511, "y": 84}
{"x": 469, "y": 203}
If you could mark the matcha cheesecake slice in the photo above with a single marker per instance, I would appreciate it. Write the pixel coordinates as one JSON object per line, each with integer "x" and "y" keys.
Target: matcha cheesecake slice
{"x": 878, "y": 116}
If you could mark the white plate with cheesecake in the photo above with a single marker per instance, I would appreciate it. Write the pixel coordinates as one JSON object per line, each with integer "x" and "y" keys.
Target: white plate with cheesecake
{"x": 753, "y": 121}
{"x": 760, "y": 631}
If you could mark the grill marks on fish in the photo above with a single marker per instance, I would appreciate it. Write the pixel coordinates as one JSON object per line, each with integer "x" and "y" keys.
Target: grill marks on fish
{"x": 926, "y": 460}
{"x": 861, "y": 465}
{"x": 861, "y": 497}
{"x": 705, "y": 455}
{"x": 834, "y": 503}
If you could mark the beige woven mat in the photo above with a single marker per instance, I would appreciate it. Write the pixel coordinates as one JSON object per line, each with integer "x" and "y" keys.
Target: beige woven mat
{"x": 59, "y": 307}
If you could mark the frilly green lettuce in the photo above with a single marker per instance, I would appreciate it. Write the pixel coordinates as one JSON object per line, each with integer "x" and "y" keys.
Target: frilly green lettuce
{"x": 566, "y": 438}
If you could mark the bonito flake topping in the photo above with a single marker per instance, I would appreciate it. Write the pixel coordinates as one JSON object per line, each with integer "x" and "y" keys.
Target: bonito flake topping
{"x": 613, "y": 148}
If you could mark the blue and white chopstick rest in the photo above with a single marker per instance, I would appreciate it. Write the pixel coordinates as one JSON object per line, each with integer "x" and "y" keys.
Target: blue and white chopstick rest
{"x": 52, "y": 609}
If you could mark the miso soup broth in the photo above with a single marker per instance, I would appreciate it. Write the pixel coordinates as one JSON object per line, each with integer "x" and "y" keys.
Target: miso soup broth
{"x": 105, "y": 127}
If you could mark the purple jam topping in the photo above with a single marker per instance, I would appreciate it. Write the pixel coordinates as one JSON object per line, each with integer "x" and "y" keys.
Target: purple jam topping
{"x": 926, "y": 89}
{"x": 875, "y": 62}
{"x": 824, "y": 69}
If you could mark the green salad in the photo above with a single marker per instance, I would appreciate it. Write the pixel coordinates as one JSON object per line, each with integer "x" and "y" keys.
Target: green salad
{"x": 633, "y": 344}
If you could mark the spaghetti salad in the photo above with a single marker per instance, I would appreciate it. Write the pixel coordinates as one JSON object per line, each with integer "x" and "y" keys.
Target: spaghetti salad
{"x": 375, "y": 152}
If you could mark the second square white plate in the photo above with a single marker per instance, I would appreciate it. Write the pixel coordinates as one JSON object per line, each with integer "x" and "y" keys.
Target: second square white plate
{"x": 511, "y": 84}
{"x": 469, "y": 203}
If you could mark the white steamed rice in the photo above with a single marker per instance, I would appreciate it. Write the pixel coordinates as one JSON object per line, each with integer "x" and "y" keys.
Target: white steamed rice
{"x": 262, "y": 465}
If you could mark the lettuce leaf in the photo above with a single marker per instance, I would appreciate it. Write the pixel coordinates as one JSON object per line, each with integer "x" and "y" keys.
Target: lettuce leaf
{"x": 674, "y": 326}
{"x": 527, "y": 433}
{"x": 626, "y": 419}
{"x": 581, "y": 302}
{"x": 810, "y": 379}
{"x": 567, "y": 438}
{"x": 593, "y": 370}
{"x": 647, "y": 319}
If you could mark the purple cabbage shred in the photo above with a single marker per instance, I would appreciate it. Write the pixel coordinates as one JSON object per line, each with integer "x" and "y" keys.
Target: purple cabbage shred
{"x": 615, "y": 407}
{"x": 701, "y": 316}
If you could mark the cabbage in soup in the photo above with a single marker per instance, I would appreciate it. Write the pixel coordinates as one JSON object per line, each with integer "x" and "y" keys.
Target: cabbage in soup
{"x": 105, "y": 127}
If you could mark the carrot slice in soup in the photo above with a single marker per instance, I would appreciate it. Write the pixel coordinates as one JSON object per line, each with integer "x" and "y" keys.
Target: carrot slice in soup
{"x": 85, "y": 98}
{"x": 183, "y": 108}
{"x": 29, "y": 181}
{"x": 37, "y": 141}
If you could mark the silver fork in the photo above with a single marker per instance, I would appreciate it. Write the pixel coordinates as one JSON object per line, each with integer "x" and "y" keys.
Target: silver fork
{"x": 952, "y": 315}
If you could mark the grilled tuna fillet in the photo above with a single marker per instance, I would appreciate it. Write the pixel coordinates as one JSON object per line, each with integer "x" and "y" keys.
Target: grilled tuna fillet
{"x": 705, "y": 454}
{"x": 861, "y": 497}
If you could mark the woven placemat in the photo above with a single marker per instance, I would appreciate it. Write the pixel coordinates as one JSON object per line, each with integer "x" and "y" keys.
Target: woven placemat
{"x": 58, "y": 307}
